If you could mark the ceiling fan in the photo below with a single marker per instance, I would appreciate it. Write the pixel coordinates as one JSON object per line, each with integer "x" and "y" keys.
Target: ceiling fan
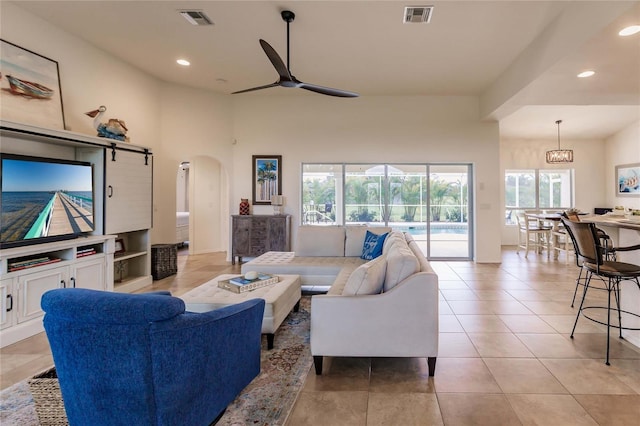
{"x": 284, "y": 72}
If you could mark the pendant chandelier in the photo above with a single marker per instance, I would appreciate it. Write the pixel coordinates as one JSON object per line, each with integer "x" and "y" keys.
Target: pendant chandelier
{"x": 556, "y": 156}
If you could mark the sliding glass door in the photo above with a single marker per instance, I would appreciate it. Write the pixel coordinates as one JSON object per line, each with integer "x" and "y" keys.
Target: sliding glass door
{"x": 431, "y": 202}
{"x": 449, "y": 206}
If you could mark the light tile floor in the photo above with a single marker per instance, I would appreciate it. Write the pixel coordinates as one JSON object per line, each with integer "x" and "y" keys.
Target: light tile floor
{"x": 505, "y": 356}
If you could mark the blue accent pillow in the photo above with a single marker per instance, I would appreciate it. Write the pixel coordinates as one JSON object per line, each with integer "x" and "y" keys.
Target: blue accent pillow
{"x": 372, "y": 247}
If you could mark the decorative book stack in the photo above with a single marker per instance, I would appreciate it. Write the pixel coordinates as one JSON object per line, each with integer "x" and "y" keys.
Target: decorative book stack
{"x": 240, "y": 284}
{"x": 86, "y": 251}
{"x": 17, "y": 265}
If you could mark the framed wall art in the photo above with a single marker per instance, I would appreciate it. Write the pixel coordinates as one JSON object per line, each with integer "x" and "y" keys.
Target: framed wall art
{"x": 120, "y": 249}
{"x": 29, "y": 88}
{"x": 628, "y": 180}
{"x": 267, "y": 178}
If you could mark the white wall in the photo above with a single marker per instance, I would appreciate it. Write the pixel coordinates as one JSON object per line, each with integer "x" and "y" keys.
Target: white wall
{"x": 194, "y": 123}
{"x": 316, "y": 128}
{"x": 587, "y": 163}
{"x": 622, "y": 148}
{"x": 89, "y": 77}
{"x": 206, "y": 188}
{"x": 181, "y": 123}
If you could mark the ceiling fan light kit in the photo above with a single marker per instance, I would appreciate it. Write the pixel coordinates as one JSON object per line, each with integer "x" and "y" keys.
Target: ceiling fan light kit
{"x": 558, "y": 156}
{"x": 286, "y": 79}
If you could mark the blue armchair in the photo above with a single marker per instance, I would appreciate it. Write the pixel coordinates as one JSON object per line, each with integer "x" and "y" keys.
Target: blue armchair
{"x": 140, "y": 359}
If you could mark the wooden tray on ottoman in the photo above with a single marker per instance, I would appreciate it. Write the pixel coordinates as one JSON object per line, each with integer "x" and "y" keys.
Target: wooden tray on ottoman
{"x": 247, "y": 285}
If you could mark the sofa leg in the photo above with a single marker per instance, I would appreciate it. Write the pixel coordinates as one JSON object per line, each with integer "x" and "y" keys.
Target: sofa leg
{"x": 431, "y": 361}
{"x": 296, "y": 308}
{"x": 317, "y": 361}
{"x": 270, "y": 337}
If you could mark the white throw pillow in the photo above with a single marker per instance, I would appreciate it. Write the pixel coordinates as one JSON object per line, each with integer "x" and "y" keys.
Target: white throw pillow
{"x": 321, "y": 241}
{"x": 391, "y": 238}
{"x": 354, "y": 240}
{"x": 401, "y": 262}
{"x": 367, "y": 278}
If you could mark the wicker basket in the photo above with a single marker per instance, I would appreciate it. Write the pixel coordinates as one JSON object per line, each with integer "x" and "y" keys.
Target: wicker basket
{"x": 48, "y": 399}
{"x": 164, "y": 260}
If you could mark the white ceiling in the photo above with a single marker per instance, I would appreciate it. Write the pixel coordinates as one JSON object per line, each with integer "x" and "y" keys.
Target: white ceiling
{"x": 520, "y": 57}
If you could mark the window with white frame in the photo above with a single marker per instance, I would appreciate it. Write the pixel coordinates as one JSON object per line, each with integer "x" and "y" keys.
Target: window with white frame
{"x": 537, "y": 189}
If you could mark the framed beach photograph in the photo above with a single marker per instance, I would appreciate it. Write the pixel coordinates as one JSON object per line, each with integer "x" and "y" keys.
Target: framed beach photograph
{"x": 29, "y": 88}
{"x": 267, "y": 178}
{"x": 628, "y": 180}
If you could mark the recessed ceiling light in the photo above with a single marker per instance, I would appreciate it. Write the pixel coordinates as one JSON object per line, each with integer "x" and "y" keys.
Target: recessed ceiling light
{"x": 630, "y": 30}
{"x": 183, "y": 62}
{"x": 584, "y": 74}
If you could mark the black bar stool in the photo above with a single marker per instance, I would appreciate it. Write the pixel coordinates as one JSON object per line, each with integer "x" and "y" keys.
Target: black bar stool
{"x": 594, "y": 262}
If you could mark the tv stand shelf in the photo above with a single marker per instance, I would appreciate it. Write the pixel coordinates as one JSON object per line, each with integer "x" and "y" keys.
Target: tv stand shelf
{"x": 128, "y": 255}
{"x": 65, "y": 251}
{"x": 124, "y": 266}
{"x": 21, "y": 289}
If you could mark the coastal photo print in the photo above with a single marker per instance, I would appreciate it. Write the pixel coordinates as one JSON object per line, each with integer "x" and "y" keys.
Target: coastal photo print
{"x": 628, "y": 179}
{"x": 267, "y": 178}
{"x": 29, "y": 88}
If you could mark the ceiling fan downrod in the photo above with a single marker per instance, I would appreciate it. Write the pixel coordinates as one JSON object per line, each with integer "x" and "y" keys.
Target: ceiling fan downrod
{"x": 288, "y": 16}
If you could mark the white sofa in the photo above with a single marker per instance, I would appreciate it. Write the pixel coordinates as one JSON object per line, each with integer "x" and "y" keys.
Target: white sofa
{"x": 387, "y": 307}
{"x": 324, "y": 255}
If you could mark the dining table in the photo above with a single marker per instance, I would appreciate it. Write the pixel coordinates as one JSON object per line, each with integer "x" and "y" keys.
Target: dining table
{"x": 555, "y": 220}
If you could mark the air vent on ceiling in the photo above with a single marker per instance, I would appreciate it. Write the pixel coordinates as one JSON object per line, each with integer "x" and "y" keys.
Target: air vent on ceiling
{"x": 196, "y": 17}
{"x": 417, "y": 14}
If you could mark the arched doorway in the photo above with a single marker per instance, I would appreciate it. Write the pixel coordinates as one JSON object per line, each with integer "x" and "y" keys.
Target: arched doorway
{"x": 202, "y": 191}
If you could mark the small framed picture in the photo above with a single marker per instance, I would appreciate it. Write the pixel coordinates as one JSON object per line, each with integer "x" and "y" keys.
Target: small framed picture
{"x": 628, "y": 180}
{"x": 120, "y": 246}
{"x": 267, "y": 178}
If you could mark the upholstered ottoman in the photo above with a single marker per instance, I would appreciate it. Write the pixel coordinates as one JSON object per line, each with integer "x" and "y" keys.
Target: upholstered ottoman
{"x": 280, "y": 299}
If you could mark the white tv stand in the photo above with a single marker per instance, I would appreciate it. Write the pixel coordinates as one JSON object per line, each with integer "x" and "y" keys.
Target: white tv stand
{"x": 122, "y": 212}
{"x": 69, "y": 267}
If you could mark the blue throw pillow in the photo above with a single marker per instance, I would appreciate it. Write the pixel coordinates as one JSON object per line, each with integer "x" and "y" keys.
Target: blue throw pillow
{"x": 372, "y": 247}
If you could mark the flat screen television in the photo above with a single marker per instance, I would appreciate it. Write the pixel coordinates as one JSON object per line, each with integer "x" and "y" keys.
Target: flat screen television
{"x": 44, "y": 199}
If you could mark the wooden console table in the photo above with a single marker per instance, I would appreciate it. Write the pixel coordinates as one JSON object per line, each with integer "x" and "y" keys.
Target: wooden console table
{"x": 253, "y": 235}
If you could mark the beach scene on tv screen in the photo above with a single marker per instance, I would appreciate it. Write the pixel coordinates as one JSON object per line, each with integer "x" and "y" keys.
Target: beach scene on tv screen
{"x": 45, "y": 199}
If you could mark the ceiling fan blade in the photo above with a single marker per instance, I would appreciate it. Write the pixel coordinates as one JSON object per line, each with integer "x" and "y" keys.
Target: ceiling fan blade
{"x": 266, "y": 86}
{"x": 327, "y": 90}
{"x": 286, "y": 79}
{"x": 275, "y": 59}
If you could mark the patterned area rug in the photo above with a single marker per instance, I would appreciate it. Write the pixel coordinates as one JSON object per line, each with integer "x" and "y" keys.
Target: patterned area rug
{"x": 267, "y": 401}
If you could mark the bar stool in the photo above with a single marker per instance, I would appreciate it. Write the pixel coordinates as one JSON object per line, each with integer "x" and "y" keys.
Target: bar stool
{"x": 604, "y": 242}
{"x": 593, "y": 260}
